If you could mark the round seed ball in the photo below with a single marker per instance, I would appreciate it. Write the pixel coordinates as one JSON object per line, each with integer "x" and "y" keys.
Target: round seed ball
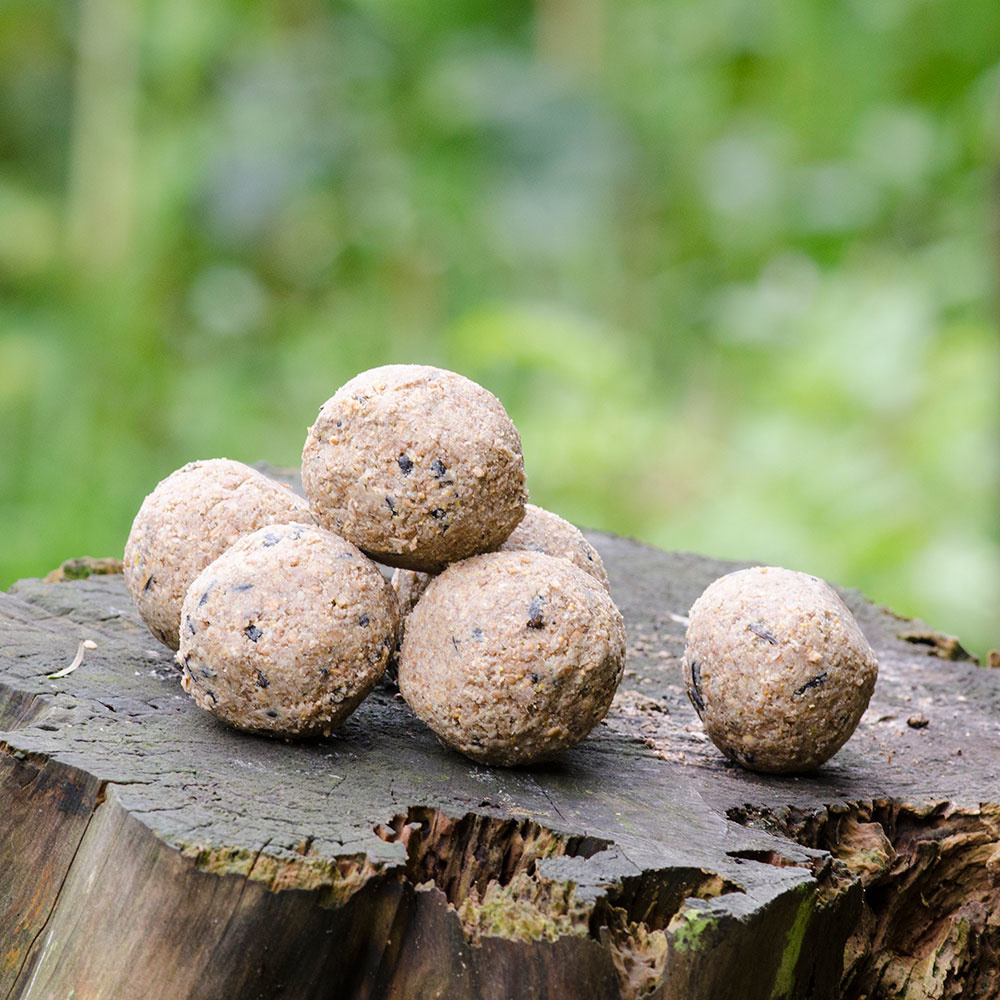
{"x": 539, "y": 531}
{"x": 543, "y": 531}
{"x": 287, "y": 631}
{"x": 417, "y": 466}
{"x": 511, "y": 657}
{"x": 192, "y": 517}
{"x": 777, "y": 668}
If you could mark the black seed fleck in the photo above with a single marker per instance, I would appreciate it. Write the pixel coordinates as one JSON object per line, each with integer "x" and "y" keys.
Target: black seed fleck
{"x": 694, "y": 691}
{"x": 363, "y": 620}
{"x": 203, "y": 600}
{"x": 746, "y": 757}
{"x": 477, "y": 634}
{"x": 161, "y": 635}
{"x": 239, "y": 588}
{"x": 535, "y": 678}
{"x": 148, "y": 583}
{"x": 391, "y": 501}
{"x": 324, "y": 671}
{"x": 205, "y": 672}
{"x": 252, "y": 633}
{"x": 814, "y": 682}
{"x": 190, "y": 626}
{"x": 758, "y": 630}
{"x": 270, "y": 539}
{"x": 262, "y": 680}
{"x": 405, "y": 464}
{"x": 438, "y": 468}
{"x": 454, "y": 642}
{"x": 437, "y": 513}
{"x": 535, "y": 619}
{"x": 211, "y": 694}
{"x": 271, "y": 713}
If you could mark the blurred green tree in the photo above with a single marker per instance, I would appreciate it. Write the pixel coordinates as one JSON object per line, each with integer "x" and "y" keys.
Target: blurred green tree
{"x": 730, "y": 267}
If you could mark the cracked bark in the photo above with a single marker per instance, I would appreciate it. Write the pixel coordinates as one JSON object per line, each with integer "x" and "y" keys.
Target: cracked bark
{"x": 147, "y": 851}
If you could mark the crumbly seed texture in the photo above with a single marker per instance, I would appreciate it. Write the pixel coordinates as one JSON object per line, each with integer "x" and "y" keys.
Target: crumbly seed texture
{"x": 409, "y": 585}
{"x": 543, "y": 531}
{"x": 539, "y": 531}
{"x": 287, "y": 631}
{"x": 511, "y": 657}
{"x": 777, "y": 668}
{"x": 191, "y": 518}
{"x": 417, "y": 466}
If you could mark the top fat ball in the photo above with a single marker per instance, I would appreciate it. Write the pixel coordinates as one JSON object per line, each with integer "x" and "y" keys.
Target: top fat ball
{"x": 417, "y": 466}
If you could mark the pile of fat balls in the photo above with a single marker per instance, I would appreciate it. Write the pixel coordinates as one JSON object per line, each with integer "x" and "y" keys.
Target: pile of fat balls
{"x": 283, "y": 623}
{"x": 498, "y": 620}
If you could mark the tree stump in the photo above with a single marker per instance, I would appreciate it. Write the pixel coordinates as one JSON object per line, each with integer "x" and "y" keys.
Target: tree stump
{"x": 146, "y": 851}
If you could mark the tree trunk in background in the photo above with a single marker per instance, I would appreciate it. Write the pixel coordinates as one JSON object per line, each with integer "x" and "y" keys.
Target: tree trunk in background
{"x": 101, "y": 197}
{"x": 570, "y": 35}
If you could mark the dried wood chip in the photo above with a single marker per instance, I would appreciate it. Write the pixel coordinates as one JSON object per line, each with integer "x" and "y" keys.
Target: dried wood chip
{"x": 77, "y": 660}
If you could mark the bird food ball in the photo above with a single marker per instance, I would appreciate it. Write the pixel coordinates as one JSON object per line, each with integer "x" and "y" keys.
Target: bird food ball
{"x": 539, "y": 531}
{"x": 510, "y": 657}
{"x": 777, "y": 668}
{"x": 287, "y": 631}
{"x": 417, "y": 466}
{"x": 543, "y": 531}
{"x": 192, "y": 517}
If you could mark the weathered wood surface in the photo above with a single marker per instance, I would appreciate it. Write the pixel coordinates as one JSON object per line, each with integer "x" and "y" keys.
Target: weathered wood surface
{"x": 146, "y": 851}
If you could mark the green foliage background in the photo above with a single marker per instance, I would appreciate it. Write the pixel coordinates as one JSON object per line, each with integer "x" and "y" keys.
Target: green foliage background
{"x": 729, "y": 266}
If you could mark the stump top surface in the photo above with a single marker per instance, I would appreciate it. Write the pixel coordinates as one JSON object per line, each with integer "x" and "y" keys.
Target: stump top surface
{"x": 646, "y": 786}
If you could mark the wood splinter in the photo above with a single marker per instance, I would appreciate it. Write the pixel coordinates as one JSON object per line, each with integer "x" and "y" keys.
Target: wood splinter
{"x": 77, "y": 660}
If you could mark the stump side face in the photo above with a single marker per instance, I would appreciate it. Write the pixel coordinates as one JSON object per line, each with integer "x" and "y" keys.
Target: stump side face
{"x": 640, "y": 860}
